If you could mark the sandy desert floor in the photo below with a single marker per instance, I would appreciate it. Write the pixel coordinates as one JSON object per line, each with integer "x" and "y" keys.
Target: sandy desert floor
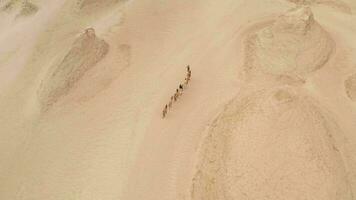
{"x": 270, "y": 111}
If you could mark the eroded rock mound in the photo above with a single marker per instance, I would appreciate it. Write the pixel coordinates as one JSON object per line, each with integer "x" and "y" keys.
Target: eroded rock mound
{"x": 272, "y": 145}
{"x": 294, "y": 45}
{"x": 85, "y": 53}
{"x": 350, "y": 86}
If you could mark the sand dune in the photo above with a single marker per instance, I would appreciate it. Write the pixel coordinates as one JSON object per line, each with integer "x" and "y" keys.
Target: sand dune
{"x": 269, "y": 112}
{"x": 294, "y": 45}
{"x": 274, "y": 144}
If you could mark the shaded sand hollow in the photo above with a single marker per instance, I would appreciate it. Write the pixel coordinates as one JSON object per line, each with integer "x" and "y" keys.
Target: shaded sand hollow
{"x": 269, "y": 112}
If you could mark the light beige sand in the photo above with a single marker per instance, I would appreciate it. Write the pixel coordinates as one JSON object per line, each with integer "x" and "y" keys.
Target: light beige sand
{"x": 270, "y": 112}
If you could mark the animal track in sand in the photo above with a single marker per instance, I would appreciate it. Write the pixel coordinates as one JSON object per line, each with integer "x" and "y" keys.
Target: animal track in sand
{"x": 85, "y": 53}
{"x": 293, "y": 45}
{"x": 274, "y": 144}
{"x": 350, "y": 86}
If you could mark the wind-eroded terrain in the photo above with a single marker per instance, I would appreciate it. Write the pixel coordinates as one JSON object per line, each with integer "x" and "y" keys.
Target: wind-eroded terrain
{"x": 270, "y": 111}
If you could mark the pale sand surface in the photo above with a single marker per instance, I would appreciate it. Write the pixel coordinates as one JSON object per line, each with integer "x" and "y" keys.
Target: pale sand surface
{"x": 270, "y": 112}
